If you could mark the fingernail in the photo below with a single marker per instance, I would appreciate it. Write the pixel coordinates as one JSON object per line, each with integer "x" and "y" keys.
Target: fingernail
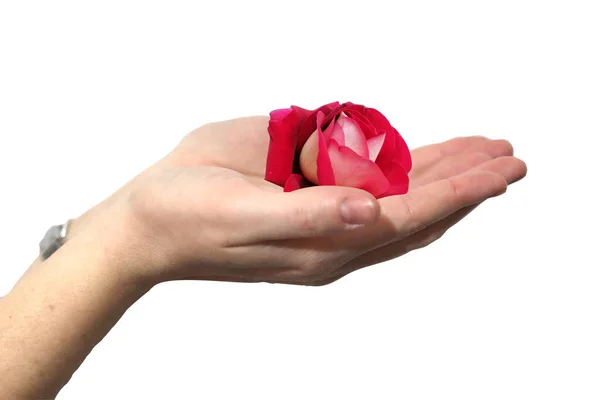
{"x": 358, "y": 211}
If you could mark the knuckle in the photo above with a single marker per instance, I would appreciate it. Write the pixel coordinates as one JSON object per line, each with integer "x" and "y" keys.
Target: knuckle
{"x": 453, "y": 188}
{"x": 302, "y": 219}
{"x": 410, "y": 219}
{"x": 314, "y": 221}
{"x": 312, "y": 267}
{"x": 481, "y": 157}
{"x": 507, "y": 147}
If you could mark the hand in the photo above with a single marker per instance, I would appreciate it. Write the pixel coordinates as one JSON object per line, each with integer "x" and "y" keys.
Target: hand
{"x": 205, "y": 211}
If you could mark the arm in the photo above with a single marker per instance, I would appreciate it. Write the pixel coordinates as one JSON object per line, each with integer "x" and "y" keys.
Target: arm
{"x": 59, "y": 310}
{"x": 211, "y": 216}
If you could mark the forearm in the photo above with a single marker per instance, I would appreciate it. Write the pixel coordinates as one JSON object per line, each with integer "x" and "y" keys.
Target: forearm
{"x": 58, "y": 312}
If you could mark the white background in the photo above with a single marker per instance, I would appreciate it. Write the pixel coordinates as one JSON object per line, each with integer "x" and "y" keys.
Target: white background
{"x": 505, "y": 306}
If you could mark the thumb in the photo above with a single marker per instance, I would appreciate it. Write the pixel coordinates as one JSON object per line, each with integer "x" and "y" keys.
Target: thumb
{"x": 312, "y": 212}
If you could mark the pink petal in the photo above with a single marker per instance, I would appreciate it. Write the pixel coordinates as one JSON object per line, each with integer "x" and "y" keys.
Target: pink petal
{"x": 328, "y": 131}
{"x": 356, "y": 113}
{"x": 324, "y": 168}
{"x": 295, "y": 182}
{"x": 365, "y": 126}
{"x": 397, "y": 176}
{"x": 375, "y": 144}
{"x": 350, "y": 169}
{"x": 338, "y": 134}
{"x": 354, "y": 137}
{"x": 280, "y": 114}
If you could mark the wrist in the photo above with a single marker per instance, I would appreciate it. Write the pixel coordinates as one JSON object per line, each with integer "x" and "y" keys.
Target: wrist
{"x": 111, "y": 231}
{"x": 80, "y": 291}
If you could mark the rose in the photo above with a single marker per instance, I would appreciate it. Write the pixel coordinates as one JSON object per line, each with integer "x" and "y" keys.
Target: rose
{"x": 337, "y": 144}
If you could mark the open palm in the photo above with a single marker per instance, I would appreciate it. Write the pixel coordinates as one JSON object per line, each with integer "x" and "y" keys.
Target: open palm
{"x": 448, "y": 181}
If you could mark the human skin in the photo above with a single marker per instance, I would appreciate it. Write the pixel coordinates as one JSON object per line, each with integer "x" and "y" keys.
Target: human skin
{"x": 205, "y": 212}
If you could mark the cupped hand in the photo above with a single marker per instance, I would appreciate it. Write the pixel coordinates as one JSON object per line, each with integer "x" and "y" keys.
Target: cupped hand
{"x": 205, "y": 211}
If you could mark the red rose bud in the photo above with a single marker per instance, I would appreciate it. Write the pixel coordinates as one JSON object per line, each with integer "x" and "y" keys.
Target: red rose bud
{"x": 337, "y": 144}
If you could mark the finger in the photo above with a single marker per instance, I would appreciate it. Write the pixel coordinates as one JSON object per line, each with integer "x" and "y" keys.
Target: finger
{"x": 450, "y": 166}
{"x": 309, "y": 212}
{"x": 428, "y": 204}
{"x": 427, "y": 157}
{"x": 394, "y": 250}
{"x": 463, "y": 161}
{"x": 511, "y": 169}
{"x": 419, "y": 240}
{"x": 423, "y": 206}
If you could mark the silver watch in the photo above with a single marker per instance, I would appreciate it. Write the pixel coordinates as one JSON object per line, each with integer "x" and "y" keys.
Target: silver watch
{"x": 53, "y": 240}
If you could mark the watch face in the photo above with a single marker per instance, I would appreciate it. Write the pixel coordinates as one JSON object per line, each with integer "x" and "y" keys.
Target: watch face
{"x": 52, "y": 241}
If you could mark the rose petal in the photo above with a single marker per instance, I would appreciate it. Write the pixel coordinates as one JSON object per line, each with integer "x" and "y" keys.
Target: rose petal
{"x": 308, "y": 158}
{"x": 309, "y": 123}
{"x": 333, "y": 113}
{"x": 295, "y": 182}
{"x": 353, "y": 136}
{"x": 338, "y": 134}
{"x": 397, "y": 176}
{"x": 349, "y": 107}
{"x": 280, "y": 114}
{"x": 379, "y": 121}
{"x": 404, "y": 156}
{"x": 375, "y": 144}
{"x": 365, "y": 126}
{"x": 282, "y": 147}
{"x": 399, "y": 151}
{"x": 387, "y": 153}
{"x": 328, "y": 131}
{"x": 350, "y": 169}
{"x": 324, "y": 168}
